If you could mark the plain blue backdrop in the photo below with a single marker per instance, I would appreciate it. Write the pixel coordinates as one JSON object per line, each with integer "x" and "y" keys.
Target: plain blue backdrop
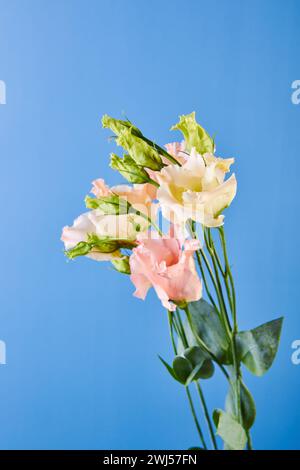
{"x": 82, "y": 368}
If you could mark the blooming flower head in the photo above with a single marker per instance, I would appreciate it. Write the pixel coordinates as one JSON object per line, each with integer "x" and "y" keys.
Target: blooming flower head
{"x": 79, "y": 231}
{"x": 140, "y": 196}
{"x": 169, "y": 267}
{"x": 196, "y": 190}
{"x": 111, "y": 229}
{"x": 177, "y": 150}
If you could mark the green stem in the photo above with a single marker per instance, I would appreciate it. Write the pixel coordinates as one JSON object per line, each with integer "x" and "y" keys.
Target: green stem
{"x": 195, "y": 417}
{"x": 190, "y": 400}
{"x": 161, "y": 151}
{"x": 198, "y": 257}
{"x": 228, "y": 272}
{"x": 199, "y": 390}
{"x": 249, "y": 443}
{"x": 171, "y": 332}
{"x": 207, "y": 417}
{"x": 146, "y": 217}
{"x": 181, "y": 330}
{"x": 220, "y": 311}
{"x": 235, "y": 327}
{"x": 210, "y": 242}
{"x": 232, "y": 300}
{"x": 154, "y": 183}
{"x": 213, "y": 254}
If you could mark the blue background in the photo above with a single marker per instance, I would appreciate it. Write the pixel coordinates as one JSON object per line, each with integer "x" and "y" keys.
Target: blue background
{"x": 82, "y": 368}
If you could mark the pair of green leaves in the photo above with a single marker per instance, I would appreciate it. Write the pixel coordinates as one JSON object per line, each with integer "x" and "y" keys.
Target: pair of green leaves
{"x": 193, "y": 364}
{"x": 256, "y": 348}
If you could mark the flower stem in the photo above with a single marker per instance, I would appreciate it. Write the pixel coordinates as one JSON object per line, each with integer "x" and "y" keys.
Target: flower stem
{"x": 190, "y": 400}
{"x": 154, "y": 183}
{"x": 198, "y": 257}
{"x": 214, "y": 257}
{"x": 232, "y": 300}
{"x": 195, "y": 417}
{"x": 200, "y": 393}
{"x": 146, "y": 217}
{"x": 207, "y": 417}
{"x": 215, "y": 283}
{"x": 162, "y": 151}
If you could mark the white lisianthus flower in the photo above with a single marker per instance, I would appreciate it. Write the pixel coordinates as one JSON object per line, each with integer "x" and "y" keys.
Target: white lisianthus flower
{"x": 78, "y": 232}
{"x": 196, "y": 190}
{"x": 122, "y": 227}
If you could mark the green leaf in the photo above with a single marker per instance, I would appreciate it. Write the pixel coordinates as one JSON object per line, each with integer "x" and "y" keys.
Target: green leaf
{"x": 232, "y": 433}
{"x": 139, "y": 150}
{"x": 207, "y": 370}
{"x": 194, "y": 134}
{"x": 122, "y": 264}
{"x": 203, "y": 367}
{"x": 182, "y": 369}
{"x": 195, "y": 355}
{"x": 247, "y": 404}
{"x": 129, "y": 169}
{"x": 168, "y": 367}
{"x": 109, "y": 205}
{"x": 210, "y": 329}
{"x": 257, "y": 348}
{"x": 194, "y": 375}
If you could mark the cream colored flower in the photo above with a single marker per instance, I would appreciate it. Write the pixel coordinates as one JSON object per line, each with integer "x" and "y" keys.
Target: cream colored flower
{"x": 196, "y": 190}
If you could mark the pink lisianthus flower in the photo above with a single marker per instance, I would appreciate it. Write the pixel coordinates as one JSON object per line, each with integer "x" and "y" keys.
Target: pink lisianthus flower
{"x": 177, "y": 150}
{"x": 100, "y": 188}
{"x": 140, "y": 196}
{"x": 169, "y": 267}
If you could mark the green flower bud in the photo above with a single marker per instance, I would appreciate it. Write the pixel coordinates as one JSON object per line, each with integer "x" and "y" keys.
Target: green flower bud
{"x": 194, "y": 134}
{"x": 109, "y": 205}
{"x": 122, "y": 264}
{"x": 129, "y": 169}
{"x": 103, "y": 244}
{"x": 139, "y": 150}
{"x": 117, "y": 125}
{"x": 98, "y": 244}
{"x": 81, "y": 249}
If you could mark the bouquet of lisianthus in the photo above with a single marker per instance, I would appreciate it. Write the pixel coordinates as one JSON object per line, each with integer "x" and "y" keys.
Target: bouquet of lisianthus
{"x": 187, "y": 184}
